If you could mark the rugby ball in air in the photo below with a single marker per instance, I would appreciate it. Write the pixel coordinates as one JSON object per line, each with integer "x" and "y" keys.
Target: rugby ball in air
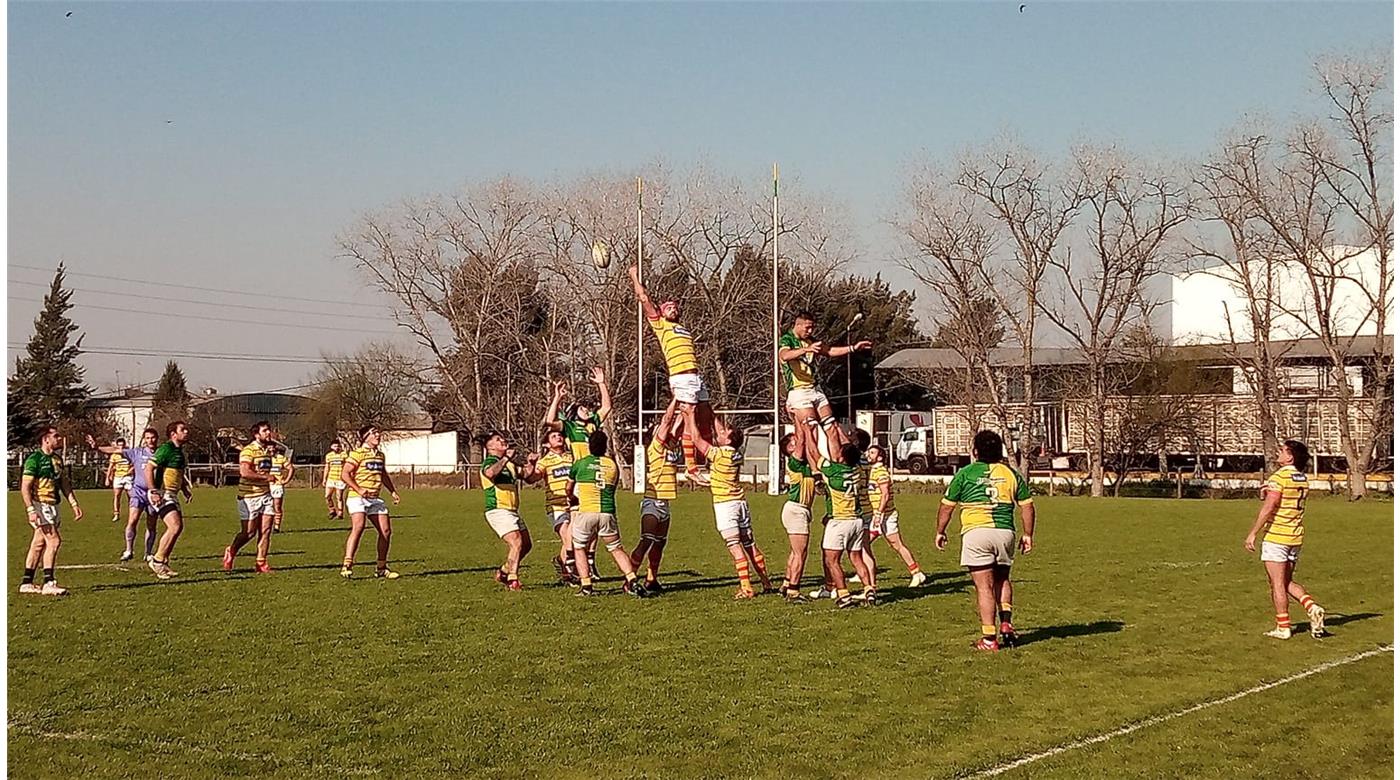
{"x": 600, "y": 254}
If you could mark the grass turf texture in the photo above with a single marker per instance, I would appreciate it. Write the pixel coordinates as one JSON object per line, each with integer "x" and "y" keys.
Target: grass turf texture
{"x": 1128, "y": 609}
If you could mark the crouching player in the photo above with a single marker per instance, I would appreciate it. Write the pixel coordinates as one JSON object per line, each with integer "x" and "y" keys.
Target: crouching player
{"x": 988, "y": 491}
{"x": 732, "y": 517}
{"x": 1282, "y": 513}
{"x": 594, "y": 480}
{"x": 365, "y": 476}
{"x": 500, "y": 478}
{"x": 664, "y": 460}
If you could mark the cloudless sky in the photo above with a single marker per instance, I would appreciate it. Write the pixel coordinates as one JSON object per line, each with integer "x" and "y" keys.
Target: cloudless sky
{"x": 226, "y": 145}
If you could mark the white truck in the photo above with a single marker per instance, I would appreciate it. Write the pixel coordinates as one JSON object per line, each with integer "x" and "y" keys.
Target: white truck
{"x": 915, "y": 452}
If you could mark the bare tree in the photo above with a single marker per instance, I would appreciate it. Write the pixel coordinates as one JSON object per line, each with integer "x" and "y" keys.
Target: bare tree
{"x": 378, "y": 383}
{"x": 1131, "y": 214}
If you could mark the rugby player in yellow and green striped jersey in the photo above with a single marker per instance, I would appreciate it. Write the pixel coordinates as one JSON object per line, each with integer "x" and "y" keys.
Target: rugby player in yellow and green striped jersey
{"x": 797, "y": 350}
{"x": 847, "y": 503}
{"x": 552, "y": 469}
{"x": 500, "y": 479}
{"x": 886, "y": 517}
{"x": 1281, "y": 520}
{"x": 575, "y": 424}
{"x": 663, "y": 462}
{"x": 988, "y": 491}
{"x": 165, "y": 475}
{"x": 366, "y": 476}
{"x": 732, "y": 518}
{"x": 255, "y": 509}
{"x": 682, "y": 364}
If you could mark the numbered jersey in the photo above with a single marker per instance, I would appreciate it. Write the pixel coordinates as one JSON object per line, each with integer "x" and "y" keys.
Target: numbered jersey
{"x": 595, "y": 481}
{"x": 802, "y": 484}
{"x": 847, "y": 497}
{"x": 988, "y": 494}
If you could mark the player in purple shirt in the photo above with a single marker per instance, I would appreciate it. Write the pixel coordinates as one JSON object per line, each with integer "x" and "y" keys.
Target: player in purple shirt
{"x": 139, "y": 503}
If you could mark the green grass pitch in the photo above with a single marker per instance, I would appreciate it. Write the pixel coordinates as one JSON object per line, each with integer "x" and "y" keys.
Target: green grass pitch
{"x": 1129, "y": 609}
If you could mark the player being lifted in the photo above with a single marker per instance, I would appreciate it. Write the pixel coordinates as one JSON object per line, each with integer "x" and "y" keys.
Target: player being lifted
{"x": 365, "y": 477}
{"x": 805, "y": 400}
{"x": 988, "y": 491}
{"x": 732, "y": 517}
{"x": 119, "y": 475}
{"x": 678, "y": 347}
{"x": 255, "y": 511}
{"x": 1282, "y": 514}
{"x": 140, "y": 505}
{"x": 165, "y": 473}
{"x": 663, "y": 460}
{"x": 593, "y": 478}
{"x": 41, "y": 485}
{"x": 500, "y": 479}
{"x": 576, "y": 424}
{"x": 335, "y": 481}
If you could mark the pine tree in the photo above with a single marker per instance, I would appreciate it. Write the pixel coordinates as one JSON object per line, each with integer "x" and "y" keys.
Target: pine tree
{"x": 47, "y": 386}
{"x": 172, "y": 398}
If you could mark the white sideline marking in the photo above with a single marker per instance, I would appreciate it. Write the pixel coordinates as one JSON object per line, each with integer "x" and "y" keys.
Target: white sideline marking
{"x": 1142, "y": 724}
{"x": 120, "y": 566}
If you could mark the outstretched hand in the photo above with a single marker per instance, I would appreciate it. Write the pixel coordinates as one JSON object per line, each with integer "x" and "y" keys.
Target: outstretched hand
{"x": 635, "y": 272}
{"x": 597, "y": 375}
{"x": 863, "y": 345}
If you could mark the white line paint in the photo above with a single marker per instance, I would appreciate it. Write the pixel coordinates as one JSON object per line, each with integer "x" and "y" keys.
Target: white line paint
{"x": 1142, "y": 724}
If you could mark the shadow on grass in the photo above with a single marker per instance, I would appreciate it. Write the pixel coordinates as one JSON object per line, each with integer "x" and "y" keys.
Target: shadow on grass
{"x": 939, "y": 584}
{"x": 1336, "y": 620}
{"x": 244, "y": 553}
{"x": 1069, "y": 630}
{"x": 449, "y": 572}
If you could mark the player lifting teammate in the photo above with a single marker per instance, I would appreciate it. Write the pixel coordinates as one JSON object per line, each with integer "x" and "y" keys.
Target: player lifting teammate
{"x": 576, "y": 424}
{"x": 732, "y": 517}
{"x": 593, "y": 478}
{"x": 365, "y": 477}
{"x": 552, "y": 468}
{"x": 847, "y": 499}
{"x": 797, "y": 510}
{"x": 1282, "y": 514}
{"x": 500, "y": 479}
{"x": 663, "y": 461}
{"x": 678, "y": 348}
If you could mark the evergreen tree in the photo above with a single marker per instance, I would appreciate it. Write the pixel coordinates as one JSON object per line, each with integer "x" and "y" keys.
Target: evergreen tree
{"x": 172, "y": 398}
{"x": 47, "y": 385}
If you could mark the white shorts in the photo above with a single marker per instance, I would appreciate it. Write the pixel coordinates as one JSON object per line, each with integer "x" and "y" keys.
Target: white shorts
{"x": 659, "y": 508}
{"x": 250, "y": 507}
{"x": 504, "y": 521}
{"x": 370, "y": 506}
{"x": 557, "y": 517}
{"x": 844, "y": 535}
{"x": 277, "y": 491}
{"x": 806, "y": 398}
{"x": 988, "y": 547}
{"x": 689, "y": 388}
{"x": 338, "y": 484}
{"x": 45, "y": 514}
{"x": 797, "y": 519}
{"x": 1279, "y": 553}
{"x": 732, "y": 517}
{"x": 122, "y": 483}
{"x": 587, "y": 526}
{"x": 886, "y": 525}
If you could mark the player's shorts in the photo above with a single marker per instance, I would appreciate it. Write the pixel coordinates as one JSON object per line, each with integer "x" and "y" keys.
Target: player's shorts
{"x": 689, "y": 388}
{"x": 797, "y": 519}
{"x": 732, "y": 518}
{"x": 1279, "y": 553}
{"x": 802, "y": 398}
{"x": 587, "y": 526}
{"x": 885, "y": 525}
{"x": 123, "y": 483}
{"x": 557, "y": 516}
{"x": 139, "y": 499}
{"x": 45, "y": 515}
{"x": 169, "y": 502}
{"x": 659, "y": 508}
{"x": 276, "y": 491}
{"x": 337, "y": 484}
{"x": 250, "y": 507}
{"x": 844, "y": 535}
{"x": 988, "y": 547}
{"x": 370, "y": 506}
{"x": 504, "y": 521}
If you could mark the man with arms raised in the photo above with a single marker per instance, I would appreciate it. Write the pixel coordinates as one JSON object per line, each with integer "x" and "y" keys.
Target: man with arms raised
{"x": 988, "y": 492}
{"x": 797, "y": 351}
{"x": 847, "y": 505}
{"x": 552, "y": 469}
{"x": 663, "y": 460}
{"x": 41, "y": 483}
{"x": 682, "y": 363}
{"x": 732, "y": 518}
{"x": 576, "y": 424}
{"x": 802, "y": 490}
{"x": 165, "y": 473}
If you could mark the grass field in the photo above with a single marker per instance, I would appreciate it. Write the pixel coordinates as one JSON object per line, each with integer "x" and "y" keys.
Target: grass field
{"x": 1128, "y": 608}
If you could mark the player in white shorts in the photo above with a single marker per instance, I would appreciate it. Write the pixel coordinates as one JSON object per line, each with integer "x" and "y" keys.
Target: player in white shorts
{"x": 500, "y": 480}
{"x": 255, "y": 511}
{"x": 803, "y": 486}
{"x": 1281, "y": 521}
{"x": 806, "y": 402}
{"x": 335, "y": 483}
{"x": 732, "y": 518}
{"x": 552, "y": 469}
{"x": 886, "y": 517}
{"x": 846, "y": 497}
{"x": 366, "y": 476}
{"x": 120, "y": 471}
{"x": 282, "y": 469}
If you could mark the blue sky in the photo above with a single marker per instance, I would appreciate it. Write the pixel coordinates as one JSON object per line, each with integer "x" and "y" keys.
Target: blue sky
{"x": 225, "y": 145}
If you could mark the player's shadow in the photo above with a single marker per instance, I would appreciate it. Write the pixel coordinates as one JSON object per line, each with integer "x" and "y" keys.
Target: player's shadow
{"x": 1068, "y": 631}
{"x": 1337, "y": 620}
{"x": 699, "y": 583}
{"x": 243, "y": 554}
{"x": 450, "y": 572}
{"x": 938, "y": 584}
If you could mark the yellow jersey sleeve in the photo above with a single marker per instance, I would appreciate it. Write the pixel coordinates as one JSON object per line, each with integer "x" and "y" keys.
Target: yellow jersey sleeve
{"x": 677, "y": 346}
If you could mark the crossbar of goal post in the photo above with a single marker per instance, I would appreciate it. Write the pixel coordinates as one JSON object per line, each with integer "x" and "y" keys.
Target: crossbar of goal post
{"x": 639, "y": 451}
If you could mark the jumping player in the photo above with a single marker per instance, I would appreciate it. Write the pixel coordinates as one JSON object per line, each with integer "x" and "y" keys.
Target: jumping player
{"x": 886, "y": 518}
{"x": 663, "y": 460}
{"x": 1282, "y": 514}
{"x": 988, "y": 491}
{"x": 805, "y": 400}
{"x": 140, "y": 505}
{"x": 119, "y": 472}
{"x": 255, "y": 510}
{"x": 500, "y": 478}
{"x": 732, "y": 517}
{"x": 593, "y": 478}
{"x": 165, "y": 473}
{"x": 281, "y": 471}
{"x": 682, "y": 363}
{"x": 365, "y": 477}
{"x": 41, "y": 484}
{"x": 335, "y": 482}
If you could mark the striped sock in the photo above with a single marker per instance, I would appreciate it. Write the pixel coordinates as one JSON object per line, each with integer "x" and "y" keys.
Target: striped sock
{"x": 1005, "y": 613}
{"x": 688, "y": 447}
{"x": 842, "y": 593}
{"x": 347, "y": 563}
{"x": 741, "y": 567}
{"x": 758, "y": 560}
{"x": 1307, "y": 602}
{"x": 914, "y": 568}
{"x": 1282, "y": 621}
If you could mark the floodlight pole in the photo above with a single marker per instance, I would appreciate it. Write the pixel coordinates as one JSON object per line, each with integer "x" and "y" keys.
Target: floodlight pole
{"x": 639, "y": 451}
{"x": 774, "y": 475}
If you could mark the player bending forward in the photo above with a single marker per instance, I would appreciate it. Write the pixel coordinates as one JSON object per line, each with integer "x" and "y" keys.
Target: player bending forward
{"x": 593, "y": 479}
{"x": 255, "y": 509}
{"x": 797, "y": 510}
{"x": 41, "y": 484}
{"x": 732, "y": 517}
{"x": 663, "y": 461}
{"x": 500, "y": 479}
{"x": 886, "y": 518}
{"x": 1282, "y": 514}
{"x": 335, "y": 481}
{"x": 365, "y": 477}
{"x": 988, "y": 491}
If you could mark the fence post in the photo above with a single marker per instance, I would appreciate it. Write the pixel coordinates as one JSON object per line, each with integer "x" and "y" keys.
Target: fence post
{"x": 1178, "y": 484}
{"x": 1052, "y": 480}
{"x": 412, "y": 475}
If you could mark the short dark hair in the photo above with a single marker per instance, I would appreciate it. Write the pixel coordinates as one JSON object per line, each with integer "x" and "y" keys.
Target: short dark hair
{"x": 598, "y": 443}
{"x": 804, "y": 314}
{"x": 46, "y": 430}
{"x": 862, "y": 438}
{"x": 257, "y": 426}
{"x": 874, "y": 446}
{"x": 121, "y": 440}
{"x": 151, "y": 431}
{"x": 481, "y": 439}
{"x": 1299, "y": 451}
{"x": 786, "y": 440}
{"x": 173, "y": 427}
{"x": 850, "y": 454}
{"x": 365, "y": 429}
{"x": 987, "y": 446}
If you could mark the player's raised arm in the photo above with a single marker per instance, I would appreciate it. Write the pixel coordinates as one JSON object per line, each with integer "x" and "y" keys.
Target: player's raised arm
{"x": 551, "y": 420}
{"x": 648, "y": 307}
{"x": 807, "y": 448}
{"x": 105, "y": 450}
{"x": 605, "y": 404}
{"x": 841, "y": 350}
{"x": 664, "y": 433}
